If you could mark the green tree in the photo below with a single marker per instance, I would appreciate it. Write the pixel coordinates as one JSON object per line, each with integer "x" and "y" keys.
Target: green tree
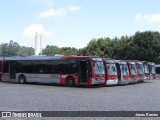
{"x": 51, "y": 50}
{"x": 25, "y": 51}
{"x": 145, "y": 46}
{"x": 68, "y": 51}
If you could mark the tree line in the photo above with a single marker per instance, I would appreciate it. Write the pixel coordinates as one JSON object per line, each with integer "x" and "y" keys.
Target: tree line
{"x": 14, "y": 49}
{"x": 140, "y": 46}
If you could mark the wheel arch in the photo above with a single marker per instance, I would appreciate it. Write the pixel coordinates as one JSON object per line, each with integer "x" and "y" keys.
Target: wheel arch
{"x": 70, "y": 77}
{"x": 23, "y": 76}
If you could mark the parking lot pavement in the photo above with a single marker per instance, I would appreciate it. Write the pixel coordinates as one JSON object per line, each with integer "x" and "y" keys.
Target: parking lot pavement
{"x": 33, "y": 97}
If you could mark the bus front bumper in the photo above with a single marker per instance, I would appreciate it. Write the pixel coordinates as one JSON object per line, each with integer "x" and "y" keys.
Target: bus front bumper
{"x": 96, "y": 82}
{"x": 112, "y": 82}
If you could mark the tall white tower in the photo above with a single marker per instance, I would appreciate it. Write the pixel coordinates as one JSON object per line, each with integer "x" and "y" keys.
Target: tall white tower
{"x": 38, "y": 44}
{"x": 41, "y": 40}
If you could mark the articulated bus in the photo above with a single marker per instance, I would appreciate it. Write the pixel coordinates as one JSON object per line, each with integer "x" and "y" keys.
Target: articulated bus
{"x": 146, "y": 69}
{"x": 132, "y": 71}
{"x": 152, "y": 70}
{"x": 111, "y": 72}
{"x": 123, "y": 72}
{"x": 140, "y": 70}
{"x": 64, "y": 70}
{"x": 157, "y": 71}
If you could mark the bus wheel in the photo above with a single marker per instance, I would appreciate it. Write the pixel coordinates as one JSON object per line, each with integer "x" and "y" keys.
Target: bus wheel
{"x": 22, "y": 79}
{"x": 69, "y": 82}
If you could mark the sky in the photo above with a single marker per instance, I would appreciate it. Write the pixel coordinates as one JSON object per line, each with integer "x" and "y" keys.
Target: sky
{"x": 73, "y": 23}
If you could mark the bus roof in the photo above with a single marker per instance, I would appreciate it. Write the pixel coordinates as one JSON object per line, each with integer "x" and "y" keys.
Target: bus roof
{"x": 151, "y": 63}
{"x": 66, "y": 57}
{"x": 106, "y": 60}
{"x": 32, "y": 58}
{"x": 120, "y": 61}
{"x": 43, "y": 57}
{"x": 132, "y": 62}
{"x": 139, "y": 62}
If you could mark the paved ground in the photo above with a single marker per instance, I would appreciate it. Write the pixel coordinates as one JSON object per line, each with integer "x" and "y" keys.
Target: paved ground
{"x": 32, "y": 97}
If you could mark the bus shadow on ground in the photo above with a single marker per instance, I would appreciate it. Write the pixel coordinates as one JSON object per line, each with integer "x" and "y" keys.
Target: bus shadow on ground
{"x": 51, "y": 84}
{"x": 92, "y": 86}
{"x": 79, "y": 86}
{"x": 32, "y": 83}
{"x": 59, "y": 85}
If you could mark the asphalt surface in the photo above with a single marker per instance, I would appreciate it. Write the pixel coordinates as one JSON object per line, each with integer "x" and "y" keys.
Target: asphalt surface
{"x": 37, "y": 97}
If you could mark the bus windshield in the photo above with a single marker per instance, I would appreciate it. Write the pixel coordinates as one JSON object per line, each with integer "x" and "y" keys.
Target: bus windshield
{"x": 98, "y": 67}
{"x": 153, "y": 69}
{"x": 133, "y": 69}
{"x": 158, "y": 70}
{"x": 141, "y": 69}
{"x": 124, "y": 68}
{"x": 112, "y": 70}
{"x": 146, "y": 70}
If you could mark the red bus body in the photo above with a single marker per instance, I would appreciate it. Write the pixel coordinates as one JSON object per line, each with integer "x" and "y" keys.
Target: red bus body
{"x": 132, "y": 71}
{"x": 111, "y": 77}
{"x": 64, "y": 70}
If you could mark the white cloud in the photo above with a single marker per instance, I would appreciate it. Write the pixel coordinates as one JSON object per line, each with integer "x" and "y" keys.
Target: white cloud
{"x": 147, "y": 17}
{"x": 155, "y": 18}
{"x": 138, "y": 16}
{"x": 52, "y": 12}
{"x": 31, "y": 30}
{"x": 74, "y": 8}
{"x": 58, "y": 12}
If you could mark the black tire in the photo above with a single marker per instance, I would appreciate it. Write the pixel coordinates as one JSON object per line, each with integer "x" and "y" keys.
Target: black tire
{"x": 69, "y": 82}
{"x": 22, "y": 79}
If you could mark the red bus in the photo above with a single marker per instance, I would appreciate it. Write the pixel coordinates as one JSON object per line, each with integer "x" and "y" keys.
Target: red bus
{"x": 132, "y": 71}
{"x": 122, "y": 71}
{"x": 111, "y": 72}
{"x": 152, "y": 70}
{"x": 146, "y": 69}
{"x": 65, "y": 70}
{"x": 140, "y": 70}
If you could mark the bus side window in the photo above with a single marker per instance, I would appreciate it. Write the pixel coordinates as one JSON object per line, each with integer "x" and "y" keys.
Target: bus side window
{"x": 41, "y": 68}
{"x": 6, "y": 67}
{"x": 19, "y": 67}
{"x": 73, "y": 66}
{"x": 49, "y": 67}
{"x": 56, "y": 67}
{"x": 64, "y": 67}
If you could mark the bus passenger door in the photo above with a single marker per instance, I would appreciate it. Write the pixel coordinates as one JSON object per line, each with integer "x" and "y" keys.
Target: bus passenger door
{"x": 12, "y": 70}
{"x": 84, "y": 71}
